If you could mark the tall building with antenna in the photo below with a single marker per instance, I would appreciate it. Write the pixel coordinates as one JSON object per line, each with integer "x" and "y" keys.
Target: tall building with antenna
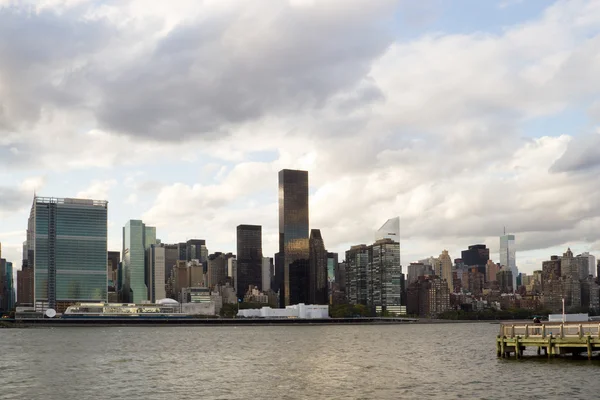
{"x": 508, "y": 255}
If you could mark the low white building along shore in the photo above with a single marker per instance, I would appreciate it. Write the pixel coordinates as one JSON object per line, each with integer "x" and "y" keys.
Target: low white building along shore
{"x": 301, "y": 310}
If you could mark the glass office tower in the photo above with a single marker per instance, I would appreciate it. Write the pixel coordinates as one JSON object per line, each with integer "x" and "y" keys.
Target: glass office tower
{"x": 249, "y": 258}
{"x": 293, "y": 255}
{"x": 137, "y": 238}
{"x": 67, "y": 241}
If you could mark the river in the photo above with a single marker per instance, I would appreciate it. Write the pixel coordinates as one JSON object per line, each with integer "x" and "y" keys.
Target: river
{"x": 442, "y": 361}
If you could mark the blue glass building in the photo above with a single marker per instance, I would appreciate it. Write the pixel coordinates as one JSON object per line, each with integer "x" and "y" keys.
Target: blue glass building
{"x": 67, "y": 241}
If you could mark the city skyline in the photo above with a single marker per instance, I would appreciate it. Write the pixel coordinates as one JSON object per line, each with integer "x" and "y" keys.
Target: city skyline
{"x": 517, "y": 136}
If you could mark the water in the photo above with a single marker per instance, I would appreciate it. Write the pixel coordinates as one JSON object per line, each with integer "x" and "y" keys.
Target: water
{"x": 285, "y": 362}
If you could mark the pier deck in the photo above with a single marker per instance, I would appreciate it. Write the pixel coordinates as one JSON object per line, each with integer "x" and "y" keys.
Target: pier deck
{"x": 553, "y": 338}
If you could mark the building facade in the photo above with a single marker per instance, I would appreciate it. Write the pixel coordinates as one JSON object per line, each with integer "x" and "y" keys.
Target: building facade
{"x": 508, "y": 256}
{"x": 137, "y": 239}
{"x": 156, "y": 267}
{"x": 317, "y": 278}
{"x": 249, "y": 258}
{"x": 293, "y": 259}
{"x": 66, "y": 240}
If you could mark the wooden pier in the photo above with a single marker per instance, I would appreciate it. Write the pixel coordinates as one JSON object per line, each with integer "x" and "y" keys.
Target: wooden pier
{"x": 553, "y": 338}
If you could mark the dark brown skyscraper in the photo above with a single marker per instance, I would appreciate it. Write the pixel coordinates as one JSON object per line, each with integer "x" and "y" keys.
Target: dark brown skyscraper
{"x": 249, "y": 258}
{"x": 292, "y": 259}
{"x": 317, "y": 275}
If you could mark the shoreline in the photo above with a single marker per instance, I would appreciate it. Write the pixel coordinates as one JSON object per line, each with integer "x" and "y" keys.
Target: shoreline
{"x": 123, "y": 322}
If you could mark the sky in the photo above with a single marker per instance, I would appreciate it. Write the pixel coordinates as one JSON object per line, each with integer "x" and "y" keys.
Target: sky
{"x": 461, "y": 117}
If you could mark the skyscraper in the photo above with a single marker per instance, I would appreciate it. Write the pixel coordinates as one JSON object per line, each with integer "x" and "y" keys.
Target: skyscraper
{"x": 317, "y": 275}
{"x": 445, "y": 263}
{"x": 508, "y": 257}
{"x": 267, "y": 273}
{"x": 384, "y": 276}
{"x": 249, "y": 258}
{"x": 67, "y": 244}
{"x": 389, "y": 230}
{"x": 156, "y": 266}
{"x": 137, "y": 238}
{"x": 292, "y": 260}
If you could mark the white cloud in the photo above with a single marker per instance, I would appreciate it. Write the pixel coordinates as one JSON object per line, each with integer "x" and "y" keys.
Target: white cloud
{"x": 98, "y": 190}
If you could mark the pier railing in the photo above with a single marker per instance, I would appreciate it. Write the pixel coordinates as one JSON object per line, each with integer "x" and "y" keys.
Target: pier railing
{"x": 555, "y": 329}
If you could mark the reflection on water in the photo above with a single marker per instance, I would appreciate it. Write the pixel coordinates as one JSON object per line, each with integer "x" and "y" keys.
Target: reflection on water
{"x": 293, "y": 362}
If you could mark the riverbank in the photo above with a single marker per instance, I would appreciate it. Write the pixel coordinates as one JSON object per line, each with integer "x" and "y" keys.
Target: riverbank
{"x": 129, "y": 321}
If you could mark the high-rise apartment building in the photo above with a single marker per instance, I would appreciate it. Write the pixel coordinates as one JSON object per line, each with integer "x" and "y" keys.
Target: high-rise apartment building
{"x": 374, "y": 276}
{"x": 357, "y": 261}
{"x": 384, "y": 276}
{"x": 317, "y": 276}
{"x": 292, "y": 259}
{"x": 66, "y": 246}
{"x": 7, "y": 290}
{"x": 137, "y": 238}
{"x": 428, "y": 296}
{"x": 249, "y": 258}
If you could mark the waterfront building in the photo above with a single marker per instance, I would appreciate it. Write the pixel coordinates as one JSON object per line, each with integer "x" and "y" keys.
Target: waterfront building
{"x": 66, "y": 242}
{"x": 267, "y": 273}
{"x": 374, "y": 276}
{"x": 171, "y": 257}
{"x": 137, "y": 239}
{"x": 249, "y": 258}
{"x": 301, "y": 311}
{"x": 508, "y": 256}
{"x": 357, "y": 260}
{"x": 332, "y": 263}
{"x": 317, "y": 276}
{"x": 7, "y": 290}
{"x": 25, "y": 286}
{"x": 292, "y": 260}
{"x": 428, "y": 296}
{"x": 384, "y": 277}
{"x": 156, "y": 272}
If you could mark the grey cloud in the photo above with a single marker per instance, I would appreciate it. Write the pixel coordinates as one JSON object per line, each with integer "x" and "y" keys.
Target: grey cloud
{"x": 582, "y": 154}
{"x": 12, "y": 199}
{"x": 207, "y": 76}
{"x": 43, "y": 59}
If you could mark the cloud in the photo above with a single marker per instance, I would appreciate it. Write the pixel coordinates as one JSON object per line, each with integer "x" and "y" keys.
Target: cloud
{"x": 582, "y": 154}
{"x": 195, "y": 109}
{"x": 98, "y": 190}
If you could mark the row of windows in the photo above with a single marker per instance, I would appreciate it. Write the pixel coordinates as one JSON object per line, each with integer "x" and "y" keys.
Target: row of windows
{"x": 72, "y": 287}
